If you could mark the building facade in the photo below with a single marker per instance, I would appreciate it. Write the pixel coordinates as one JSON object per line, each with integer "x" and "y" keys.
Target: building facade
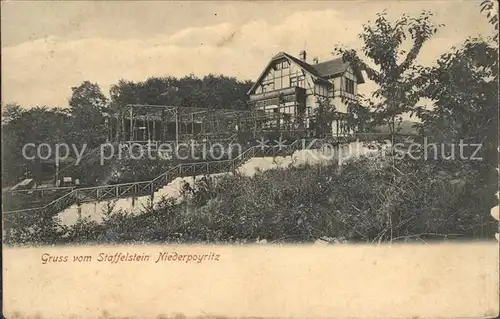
{"x": 294, "y": 88}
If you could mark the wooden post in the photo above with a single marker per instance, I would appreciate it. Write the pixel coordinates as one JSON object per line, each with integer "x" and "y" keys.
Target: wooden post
{"x": 176, "y": 128}
{"x": 79, "y": 211}
{"x": 164, "y": 124}
{"x": 192, "y": 124}
{"x": 254, "y": 124}
{"x": 131, "y": 138}
{"x": 57, "y": 170}
{"x": 152, "y": 193}
{"x": 154, "y": 129}
{"x": 146, "y": 128}
{"x": 122, "y": 126}
{"x": 337, "y": 123}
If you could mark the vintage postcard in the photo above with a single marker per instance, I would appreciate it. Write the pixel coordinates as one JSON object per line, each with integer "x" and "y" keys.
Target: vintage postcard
{"x": 250, "y": 159}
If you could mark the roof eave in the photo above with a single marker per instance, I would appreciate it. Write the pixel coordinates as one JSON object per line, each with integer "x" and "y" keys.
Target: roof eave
{"x": 359, "y": 76}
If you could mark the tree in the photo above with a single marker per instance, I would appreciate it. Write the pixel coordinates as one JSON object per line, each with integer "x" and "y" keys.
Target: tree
{"x": 222, "y": 92}
{"x": 393, "y": 68}
{"x": 11, "y": 111}
{"x": 464, "y": 88}
{"x": 490, "y": 8}
{"x": 124, "y": 92}
{"x": 211, "y": 91}
{"x": 324, "y": 115}
{"x": 88, "y": 106}
{"x": 358, "y": 114}
{"x": 22, "y": 126}
{"x": 11, "y": 170}
{"x": 395, "y": 71}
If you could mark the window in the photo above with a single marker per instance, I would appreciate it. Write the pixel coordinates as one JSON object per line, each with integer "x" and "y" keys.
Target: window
{"x": 284, "y": 109}
{"x": 277, "y": 83}
{"x": 266, "y": 87}
{"x": 349, "y": 86}
{"x": 301, "y": 81}
{"x": 297, "y": 81}
{"x": 279, "y": 75}
{"x": 285, "y": 80}
{"x": 320, "y": 90}
{"x": 282, "y": 65}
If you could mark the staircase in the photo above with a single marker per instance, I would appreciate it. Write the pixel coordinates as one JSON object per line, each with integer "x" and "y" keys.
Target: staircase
{"x": 35, "y": 199}
{"x": 148, "y": 188}
{"x": 94, "y": 155}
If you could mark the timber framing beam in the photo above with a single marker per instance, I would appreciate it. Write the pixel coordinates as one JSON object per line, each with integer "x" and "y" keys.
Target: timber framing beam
{"x": 208, "y": 122}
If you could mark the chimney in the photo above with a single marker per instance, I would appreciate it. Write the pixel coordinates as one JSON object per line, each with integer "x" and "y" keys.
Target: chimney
{"x": 316, "y": 60}
{"x": 303, "y": 55}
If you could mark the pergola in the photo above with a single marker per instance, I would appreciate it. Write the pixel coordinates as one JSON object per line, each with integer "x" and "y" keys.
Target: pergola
{"x": 172, "y": 123}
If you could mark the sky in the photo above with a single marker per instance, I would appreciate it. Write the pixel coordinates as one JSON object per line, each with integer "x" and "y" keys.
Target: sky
{"x": 49, "y": 47}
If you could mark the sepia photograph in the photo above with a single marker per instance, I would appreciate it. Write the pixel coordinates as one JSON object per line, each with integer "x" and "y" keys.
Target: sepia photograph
{"x": 250, "y": 159}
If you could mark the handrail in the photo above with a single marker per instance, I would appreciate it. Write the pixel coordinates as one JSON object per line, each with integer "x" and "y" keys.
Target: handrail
{"x": 42, "y": 207}
{"x": 75, "y": 191}
{"x": 48, "y": 189}
{"x": 91, "y": 154}
{"x": 159, "y": 177}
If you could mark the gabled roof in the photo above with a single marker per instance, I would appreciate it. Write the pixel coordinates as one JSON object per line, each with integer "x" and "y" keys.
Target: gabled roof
{"x": 321, "y": 71}
{"x": 331, "y": 67}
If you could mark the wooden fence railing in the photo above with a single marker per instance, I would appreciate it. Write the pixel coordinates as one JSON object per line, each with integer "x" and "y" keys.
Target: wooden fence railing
{"x": 148, "y": 188}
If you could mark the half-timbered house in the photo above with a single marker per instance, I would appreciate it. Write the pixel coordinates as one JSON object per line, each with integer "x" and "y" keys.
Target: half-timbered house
{"x": 294, "y": 87}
